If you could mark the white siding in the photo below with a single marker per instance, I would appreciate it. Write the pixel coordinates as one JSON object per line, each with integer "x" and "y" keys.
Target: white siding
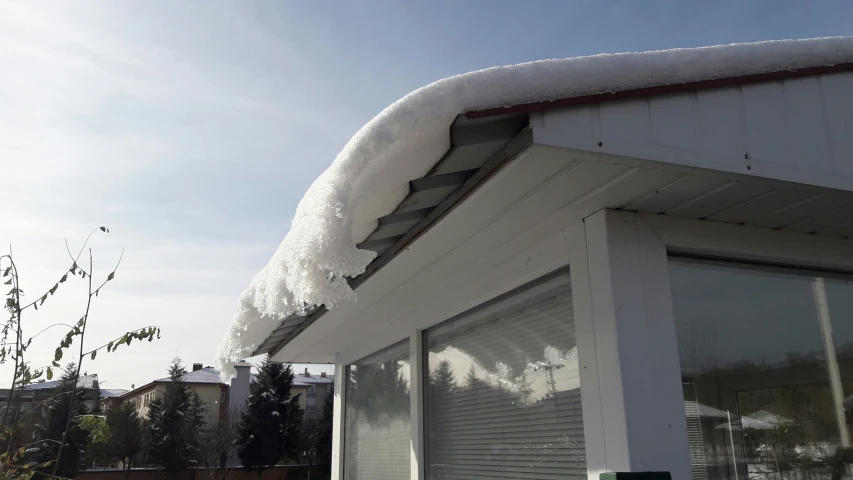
{"x": 799, "y": 129}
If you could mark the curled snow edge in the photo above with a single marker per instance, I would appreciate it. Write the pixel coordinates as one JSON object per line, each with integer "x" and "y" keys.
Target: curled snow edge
{"x": 370, "y": 176}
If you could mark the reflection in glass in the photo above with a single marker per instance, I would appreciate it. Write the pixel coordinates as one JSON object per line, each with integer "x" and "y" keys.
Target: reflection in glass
{"x": 378, "y": 429}
{"x": 767, "y": 363}
{"x": 504, "y": 391}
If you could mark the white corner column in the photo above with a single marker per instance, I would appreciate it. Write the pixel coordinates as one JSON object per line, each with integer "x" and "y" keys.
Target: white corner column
{"x": 338, "y": 419}
{"x": 633, "y": 404}
{"x": 417, "y": 396}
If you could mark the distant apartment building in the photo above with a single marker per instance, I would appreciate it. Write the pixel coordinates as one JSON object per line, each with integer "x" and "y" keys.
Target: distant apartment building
{"x": 312, "y": 390}
{"x": 224, "y": 399}
{"x": 204, "y": 381}
{"x": 35, "y": 394}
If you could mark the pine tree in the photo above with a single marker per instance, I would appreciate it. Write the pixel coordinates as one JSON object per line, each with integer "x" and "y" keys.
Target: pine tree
{"x": 270, "y": 425}
{"x": 442, "y": 381}
{"x": 126, "y": 434}
{"x": 473, "y": 381}
{"x": 442, "y": 385}
{"x": 173, "y": 425}
{"x": 51, "y": 430}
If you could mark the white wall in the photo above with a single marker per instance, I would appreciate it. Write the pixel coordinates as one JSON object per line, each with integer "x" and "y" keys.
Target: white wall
{"x": 796, "y": 129}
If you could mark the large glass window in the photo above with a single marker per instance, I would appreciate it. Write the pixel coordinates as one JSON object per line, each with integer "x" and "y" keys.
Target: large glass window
{"x": 378, "y": 429}
{"x": 503, "y": 389}
{"x": 767, "y": 367}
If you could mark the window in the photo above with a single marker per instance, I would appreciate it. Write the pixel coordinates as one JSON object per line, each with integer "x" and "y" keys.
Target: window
{"x": 222, "y": 397}
{"x": 378, "y": 429}
{"x": 503, "y": 394}
{"x": 312, "y": 389}
{"x": 311, "y": 401}
{"x": 766, "y": 359}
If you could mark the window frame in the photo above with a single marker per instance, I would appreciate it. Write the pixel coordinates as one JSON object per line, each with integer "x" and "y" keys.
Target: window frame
{"x": 729, "y": 386}
{"x": 339, "y": 405}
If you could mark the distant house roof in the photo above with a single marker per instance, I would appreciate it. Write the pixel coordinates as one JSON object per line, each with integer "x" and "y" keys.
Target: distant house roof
{"x": 312, "y": 380}
{"x": 112, "y": 392}
{"x": 211, "y": 376}
{"x": 204, "y": 375}
{"x": 302, "y": 380}
{"x": 86, "y": 381}
{"x": 42, "y": 385}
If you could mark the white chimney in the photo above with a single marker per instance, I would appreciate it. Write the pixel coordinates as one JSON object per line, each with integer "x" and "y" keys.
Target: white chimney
{"x": 240, "y": 388}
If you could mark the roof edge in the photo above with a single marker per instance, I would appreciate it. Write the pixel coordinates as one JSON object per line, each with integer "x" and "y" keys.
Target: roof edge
{"x": 495, "y": 164}
{"x": 660, "y": 89}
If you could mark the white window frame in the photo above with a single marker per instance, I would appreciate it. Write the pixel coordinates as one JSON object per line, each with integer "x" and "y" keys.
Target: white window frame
{"x": 624, "y": 272}
{"x": 627, "y": 348}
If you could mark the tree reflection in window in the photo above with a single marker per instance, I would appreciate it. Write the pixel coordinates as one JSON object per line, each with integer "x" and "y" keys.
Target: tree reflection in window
{"x": 765, "y": 357}
{"x": 378, "y": 428}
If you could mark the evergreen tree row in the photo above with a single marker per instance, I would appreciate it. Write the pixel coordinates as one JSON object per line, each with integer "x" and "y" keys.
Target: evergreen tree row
{"x": 174, "y": 436}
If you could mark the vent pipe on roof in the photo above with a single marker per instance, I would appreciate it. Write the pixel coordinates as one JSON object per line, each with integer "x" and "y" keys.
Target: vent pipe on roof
{"x": 197, "y": 366}
{"x": 306, "y": 372}
{"x": 323, "y": 374}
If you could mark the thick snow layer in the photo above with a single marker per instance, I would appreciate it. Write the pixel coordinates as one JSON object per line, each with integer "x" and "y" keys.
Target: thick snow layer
{"x": 370, "y": 176}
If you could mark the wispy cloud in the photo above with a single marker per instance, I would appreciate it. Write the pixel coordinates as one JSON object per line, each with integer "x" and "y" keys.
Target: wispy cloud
{"x": 108, "y": 118}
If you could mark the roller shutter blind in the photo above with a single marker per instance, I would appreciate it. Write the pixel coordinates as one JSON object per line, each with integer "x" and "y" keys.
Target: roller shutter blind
{"x": 504, "y": 392}
{"x": 378, "y": 432}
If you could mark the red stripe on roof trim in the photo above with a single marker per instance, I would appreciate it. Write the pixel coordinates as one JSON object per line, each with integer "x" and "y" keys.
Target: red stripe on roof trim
{"x": 659, "y": 89}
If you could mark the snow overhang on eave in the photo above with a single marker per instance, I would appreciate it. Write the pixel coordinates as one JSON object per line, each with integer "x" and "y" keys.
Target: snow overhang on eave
{"x": 482, "y": 142}
{"x": 478, "y": 149}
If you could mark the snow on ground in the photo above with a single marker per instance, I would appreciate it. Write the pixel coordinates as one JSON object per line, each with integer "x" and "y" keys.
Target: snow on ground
{"x": 370, "y": 176}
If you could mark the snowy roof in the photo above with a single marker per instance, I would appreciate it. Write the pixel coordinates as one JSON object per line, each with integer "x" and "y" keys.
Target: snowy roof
{"x": 204, "y": 375}
{"x": 374, "y": 172}
{"x": 312, "y": 380}
{"x": 303, "y": 380}
{"x": 112, "y": 392}
{"x": 85, "y": 381}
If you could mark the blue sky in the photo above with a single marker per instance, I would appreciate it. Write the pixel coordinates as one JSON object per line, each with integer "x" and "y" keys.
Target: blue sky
{"x": 193, "y": 128}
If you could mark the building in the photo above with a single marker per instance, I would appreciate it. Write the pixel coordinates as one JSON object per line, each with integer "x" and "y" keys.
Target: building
{"x": 312, "y": 391}
{"x": 649, "y": 270}
{"x": 222, "y": 399}
{"x": 35, "y": 394}
{"x": 204, "y": 381}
